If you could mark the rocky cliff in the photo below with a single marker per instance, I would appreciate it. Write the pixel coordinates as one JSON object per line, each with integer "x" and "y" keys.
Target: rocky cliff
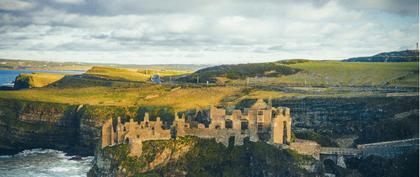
{"x": 190, "y": 156}
{"x": 344, "y": 117}
{"x": 74, "y": 129}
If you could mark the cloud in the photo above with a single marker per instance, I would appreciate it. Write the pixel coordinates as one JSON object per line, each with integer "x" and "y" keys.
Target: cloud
{"x": 15, "y": 5}
{"x": 189, "y": 31}
{"x": 70, "y": 1}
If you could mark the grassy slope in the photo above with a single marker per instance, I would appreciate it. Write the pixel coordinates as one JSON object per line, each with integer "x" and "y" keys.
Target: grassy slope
{"x": 38, "y": 79}
{"x": 351, "y": 74}
{"x": 129, "y": 74}
{"x": 314, "y": 72}
{"x": 148, "y": 95}
{"x": 335, "y": 73}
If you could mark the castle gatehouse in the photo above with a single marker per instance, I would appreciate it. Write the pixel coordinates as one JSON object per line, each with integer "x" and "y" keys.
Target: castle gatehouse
{"x": 260, "y": 118}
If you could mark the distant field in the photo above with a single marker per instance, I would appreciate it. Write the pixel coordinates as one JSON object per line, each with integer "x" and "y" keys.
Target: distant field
{"x": 149, "y": 95}
{"x": 129, "y": 74}
{"x": 335, "y": 73}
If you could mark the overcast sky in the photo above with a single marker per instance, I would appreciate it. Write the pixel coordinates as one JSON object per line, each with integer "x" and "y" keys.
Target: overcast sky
{"x": 204, "y": 31}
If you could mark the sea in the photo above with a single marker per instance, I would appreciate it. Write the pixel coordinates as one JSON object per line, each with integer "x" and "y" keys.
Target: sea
{"x": 40, "y": 162}
{"x": 44, "y": 163}
{"x": 8, "y": 76}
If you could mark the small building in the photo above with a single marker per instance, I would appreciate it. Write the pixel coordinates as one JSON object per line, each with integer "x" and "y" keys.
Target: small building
{"x": 156, "y": 79}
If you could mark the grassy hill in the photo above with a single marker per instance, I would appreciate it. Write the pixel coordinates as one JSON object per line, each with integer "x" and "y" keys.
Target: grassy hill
{"x": 36, "y": 80}
{"x": 327, "y": 73}
{"x": 129, "y": 87}
{"x": 334, "y": 73}
{"x": 178, "y": 98}
{"x": 240, "y": 71}
{"x": 109, "y": 73}
{"x": 397, "y": 56}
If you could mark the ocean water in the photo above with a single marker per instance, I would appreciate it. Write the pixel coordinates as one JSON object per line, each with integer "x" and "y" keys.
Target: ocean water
{"x": 43, "y": 163}
{"x": 8, "y": 76}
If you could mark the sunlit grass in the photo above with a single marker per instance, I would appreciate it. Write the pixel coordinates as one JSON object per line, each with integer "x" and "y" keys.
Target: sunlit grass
{"x": 335, "y": 73}
{"x": 150, "y": 95}
{"x": 40, "y": 79}
{"x": 129, "y": 74}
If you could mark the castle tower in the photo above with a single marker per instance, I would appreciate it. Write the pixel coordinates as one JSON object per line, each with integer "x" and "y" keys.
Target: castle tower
{"x": 120, "y": 131}
{"x": 107, "y": 133}
{"x": 280, "y": 122}
{"x": 179, "y": 124}
{"x": 146, "y": 119}
{"x": 158, "y": 124}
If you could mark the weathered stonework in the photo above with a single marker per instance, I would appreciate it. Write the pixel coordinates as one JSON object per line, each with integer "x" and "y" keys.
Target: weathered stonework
{"x": 260, "y": 118}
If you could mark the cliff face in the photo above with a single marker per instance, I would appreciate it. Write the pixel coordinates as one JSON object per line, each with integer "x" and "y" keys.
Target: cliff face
{"x": 70, "y": 128}
{"x": 190, "y": 156}
{"x": 75, "y": 129}
{"x": 26, "y": 125}
{"x": 341, "y": 117}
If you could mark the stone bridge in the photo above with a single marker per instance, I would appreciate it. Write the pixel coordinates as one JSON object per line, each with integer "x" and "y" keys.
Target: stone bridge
{"x": 386, "y": 149}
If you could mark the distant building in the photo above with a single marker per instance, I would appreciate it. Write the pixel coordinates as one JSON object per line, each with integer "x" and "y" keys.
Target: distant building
{"x": 156, "y": 79}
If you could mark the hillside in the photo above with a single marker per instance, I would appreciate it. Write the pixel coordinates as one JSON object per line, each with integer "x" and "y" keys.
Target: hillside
{"x": 311, "y": 73}
{"x": 239, "y": 71}
{"x": 36, "y": 80}
{"x": 109, "y": 73}
{"x": 397, "y": 56}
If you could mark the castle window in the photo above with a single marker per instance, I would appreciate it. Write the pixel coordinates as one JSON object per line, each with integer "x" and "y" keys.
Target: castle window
{"x": 260, "y": 112}
{"x": 228, "y": 124}
{"x": 260, "y": 127}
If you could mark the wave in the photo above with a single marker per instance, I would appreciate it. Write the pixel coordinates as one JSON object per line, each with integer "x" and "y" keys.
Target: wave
{"x": 43, "y": 162}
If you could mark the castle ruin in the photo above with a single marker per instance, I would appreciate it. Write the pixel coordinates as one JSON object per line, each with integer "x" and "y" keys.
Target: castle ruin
{"x": 261, "y": 118}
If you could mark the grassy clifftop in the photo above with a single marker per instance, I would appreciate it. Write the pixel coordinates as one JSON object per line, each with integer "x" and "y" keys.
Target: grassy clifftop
{"x": 311, "y": 73}
{"x": 239, "y": 71}
{"x": 179, "y": 98}
{"x": 36, "y": 80}
{"x": 129, "y": 74}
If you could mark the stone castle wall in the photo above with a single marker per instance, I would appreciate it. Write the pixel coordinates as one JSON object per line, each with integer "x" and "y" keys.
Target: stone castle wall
{"x": 260, "y": 118}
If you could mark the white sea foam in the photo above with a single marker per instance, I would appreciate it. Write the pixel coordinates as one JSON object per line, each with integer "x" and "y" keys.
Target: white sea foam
{"x": 43, "y": 162}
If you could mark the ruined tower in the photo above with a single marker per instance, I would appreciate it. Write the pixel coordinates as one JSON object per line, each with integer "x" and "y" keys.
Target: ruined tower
{"x": 107, "y": 133}
{"x": 281, "y": 125}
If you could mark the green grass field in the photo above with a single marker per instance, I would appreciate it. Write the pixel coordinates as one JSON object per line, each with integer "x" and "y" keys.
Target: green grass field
{"x": 115, "y": 87}
{"x": 147, "y": 95}
{"x": 129, "y": 74}
{"x": 36, "y": 79}
{"x": 335, "y": 73}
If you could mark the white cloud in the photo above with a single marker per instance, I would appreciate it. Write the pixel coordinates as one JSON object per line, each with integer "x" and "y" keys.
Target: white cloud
{"x": 15, "y": 5}
{"x": 70, "y": 1}
{"x": 187, "y": 31}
